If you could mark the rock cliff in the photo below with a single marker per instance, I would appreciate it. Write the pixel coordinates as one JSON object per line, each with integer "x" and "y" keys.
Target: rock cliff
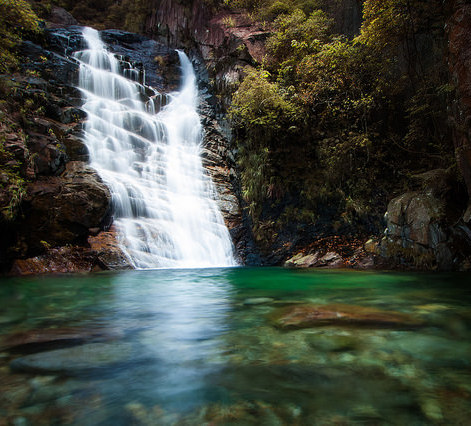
{"x": 61, "y": 218}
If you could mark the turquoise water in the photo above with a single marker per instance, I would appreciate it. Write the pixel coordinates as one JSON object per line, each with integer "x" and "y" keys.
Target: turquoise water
{"x": 193, "y": 347}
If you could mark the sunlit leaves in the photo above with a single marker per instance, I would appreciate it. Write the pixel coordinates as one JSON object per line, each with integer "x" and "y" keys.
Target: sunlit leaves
{"x": 16, "y": 18}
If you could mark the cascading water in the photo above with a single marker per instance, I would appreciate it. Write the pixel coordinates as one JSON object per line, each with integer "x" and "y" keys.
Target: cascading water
{"x": 164, "y": 202}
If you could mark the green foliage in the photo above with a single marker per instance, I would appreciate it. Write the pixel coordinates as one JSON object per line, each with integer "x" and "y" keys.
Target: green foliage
{"x": 259, "y": 107}
{"x": 270, "y": 9}
{"x": 343, "y": 122}
{"x": 297, "y": 35}
{"x": 387, "y": 23}
{"x": 11, "y": 181}
{"x": 260, "y": 115}
{"x": 247, "y": 4}
{"x": 16, "y": 19}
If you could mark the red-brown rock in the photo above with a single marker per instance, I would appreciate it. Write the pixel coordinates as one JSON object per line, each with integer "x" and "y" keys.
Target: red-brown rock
{"x": 306, "y": 316}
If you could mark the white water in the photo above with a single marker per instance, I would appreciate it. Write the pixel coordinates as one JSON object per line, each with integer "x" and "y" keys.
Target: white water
{"x": 164, "y": 202}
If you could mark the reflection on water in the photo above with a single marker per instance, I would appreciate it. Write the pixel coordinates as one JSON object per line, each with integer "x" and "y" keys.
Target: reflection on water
{"x": 235, "y": 346}
{"x": 180, "y": 319}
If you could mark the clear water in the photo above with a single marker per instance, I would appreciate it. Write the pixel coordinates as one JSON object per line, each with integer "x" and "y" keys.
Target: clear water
{"x": 200, "y": 346}
{"x": 164, "y": 203}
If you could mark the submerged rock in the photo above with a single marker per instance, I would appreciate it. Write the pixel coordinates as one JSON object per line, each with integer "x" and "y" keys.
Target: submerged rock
{"x": 258, "y": 301}
{"x": 332, "y": 343}
{"x": 306, "y": 316}
{"x": 78, "y": 359}
{"x": 37, "y": 339}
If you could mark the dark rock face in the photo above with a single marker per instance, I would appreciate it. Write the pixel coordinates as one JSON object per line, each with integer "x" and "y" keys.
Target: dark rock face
{"x": 159, "y": 62}
{"x": 61, "y": 209}
{"x": 459, "y": 61}
{"x": 224, "y": 50}
{"x": 66, "y": 203}
{"x": 347, "y": 15}
{"x": 219, "y": 162}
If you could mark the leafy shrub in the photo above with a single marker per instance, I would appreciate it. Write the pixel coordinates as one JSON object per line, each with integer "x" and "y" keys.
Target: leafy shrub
{"x": 16, "y": 19}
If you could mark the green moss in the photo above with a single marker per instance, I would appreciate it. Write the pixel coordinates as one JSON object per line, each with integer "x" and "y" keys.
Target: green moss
{"x": 16, "y": 19}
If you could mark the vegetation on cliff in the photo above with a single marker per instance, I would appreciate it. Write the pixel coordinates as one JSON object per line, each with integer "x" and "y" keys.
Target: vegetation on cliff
{"x": 338, "y": 122}
{"x": 17, "y": 19}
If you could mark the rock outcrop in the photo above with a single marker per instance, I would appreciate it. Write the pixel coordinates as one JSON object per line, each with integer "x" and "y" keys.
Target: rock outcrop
{"x": 61, "y": 209}
{"x": 424, "y": 227}
{"x": 60, "y": 217}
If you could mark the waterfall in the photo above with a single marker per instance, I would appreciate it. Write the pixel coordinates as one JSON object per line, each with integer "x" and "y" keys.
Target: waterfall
{"x": 163, "y": 201}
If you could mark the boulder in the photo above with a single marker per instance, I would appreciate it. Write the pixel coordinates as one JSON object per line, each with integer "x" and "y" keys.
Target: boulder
{"x": 416, "y": 218}
{"x": 424, "y": 230}
{"x": 60, "y": 18}
{"x": 307, "y": 316}
{"x": 302, "y": 261}
{"x": 315, "y": 260}
{"x": 106, "y": 247}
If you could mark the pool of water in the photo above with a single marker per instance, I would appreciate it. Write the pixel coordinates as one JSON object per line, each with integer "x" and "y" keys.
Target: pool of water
{"x": 236, "y": 346}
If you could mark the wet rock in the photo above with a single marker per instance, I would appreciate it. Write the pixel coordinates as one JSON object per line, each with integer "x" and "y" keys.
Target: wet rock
{"x": 35, "y": 340}
{"x": 160, "y": 63}
{"x": 372, "y": 246}
{"x": 78, "y": 359}
{"x": 13, "y": 392}
{"x": 431, "y": 409}
{"x": 60, "y": 210}
{"x": 331, "y": 259}
{"x": 306, "y": 316}
{"x": 68, "y": 259}
{"x": 49, "y": 156}
{"x": 75, "y": 148}
{"x": 106, "y": 247}
{"x": 434, "y": 350}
